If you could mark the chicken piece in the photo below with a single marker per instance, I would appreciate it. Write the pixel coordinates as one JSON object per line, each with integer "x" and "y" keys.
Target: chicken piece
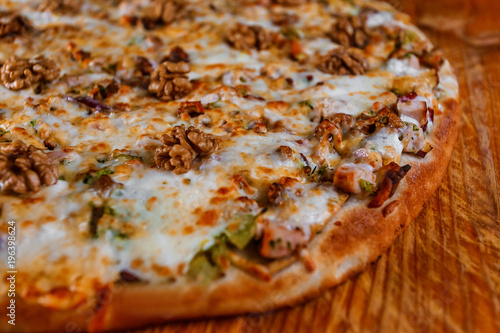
{"x": 278, "y": 241}
{"x": 348, "y": 176}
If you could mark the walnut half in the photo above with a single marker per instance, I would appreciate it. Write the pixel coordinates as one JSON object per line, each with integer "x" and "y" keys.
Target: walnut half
{"x": 24, "y": 169}
{"x": 12, "y": 25}
{"x": 21, "y": 73}
{"x": 343, "y": 61}
{"x": 246, "y": 37}
{"x": 351, "y": 31}
{"x": 169, "y": 81}
{"x": 181, "y": 147}
{"x": 164, "y": 12}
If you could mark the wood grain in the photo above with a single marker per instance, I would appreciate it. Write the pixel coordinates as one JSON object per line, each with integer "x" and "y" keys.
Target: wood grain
{"x": 443, "y": 273}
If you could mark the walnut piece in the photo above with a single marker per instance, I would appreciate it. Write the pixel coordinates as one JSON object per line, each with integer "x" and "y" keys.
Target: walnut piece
{"x": 351, "y": 32}
{"x": 181, "y": 147}
{"x": 169, "y": 81}
{"x": 21, "y": 73}
{"x": 177, "y": 54}
{"x": 367, "y": 123}
{"x": 24, "y": 169}
{"x": 246, "y": 37}
{"x": 60, "y": 6}
{"x": 343, "y": 61}
{"x": 284, "y": 18}
{"x": 193, "y": 109}
{"x": 290, "y": 2}
{"x": 12, "y": 25}
{"x": 164, "y": 12}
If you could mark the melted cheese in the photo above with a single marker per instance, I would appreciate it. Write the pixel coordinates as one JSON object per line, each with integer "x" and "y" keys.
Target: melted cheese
{"x": 169, "y": 218}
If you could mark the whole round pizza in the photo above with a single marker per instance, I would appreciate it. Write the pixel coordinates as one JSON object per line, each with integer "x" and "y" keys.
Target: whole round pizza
{"x": 166, "y": 159}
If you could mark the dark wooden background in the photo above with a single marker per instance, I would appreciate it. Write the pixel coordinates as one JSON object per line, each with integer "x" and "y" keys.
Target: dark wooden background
{"x": 443, "y": 273}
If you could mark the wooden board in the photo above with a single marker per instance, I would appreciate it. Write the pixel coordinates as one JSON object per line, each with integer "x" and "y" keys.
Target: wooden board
{"x": 443, "y": 273}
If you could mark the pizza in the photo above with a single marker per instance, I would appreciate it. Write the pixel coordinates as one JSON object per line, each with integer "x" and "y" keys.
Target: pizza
{"x": 164, "y": 159}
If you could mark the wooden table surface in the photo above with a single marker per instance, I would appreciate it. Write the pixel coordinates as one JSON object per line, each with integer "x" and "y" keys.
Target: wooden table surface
{"x": 443, "y": 273}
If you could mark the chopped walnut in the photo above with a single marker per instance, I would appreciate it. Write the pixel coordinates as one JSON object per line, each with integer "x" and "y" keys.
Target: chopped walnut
{"x": 368, "y": 123}
{"x": 61, "y": 6}
{"x": 275, "y": 193}
{"x": 169, "y": 81}
{"x": 164, "y": 12}
{"x": 343, "y": 61}
{"x": 181, "y": 147}
{"x": 20, "y": 73}
{"x": 246, "y": 37}
{"x": 284, "y": 18}
{"x": 143, "y": 65}
{"x": 12, "y": 25}
{"x": 177, "y": 54}
{"x": 330, "y": 132}
{"x": 283, "y": 189}
{"x": 351, "y": 32}
{"x": 24, "y": 169}
{"x": 193, "y": 109}
{"x": 290, "y": 2}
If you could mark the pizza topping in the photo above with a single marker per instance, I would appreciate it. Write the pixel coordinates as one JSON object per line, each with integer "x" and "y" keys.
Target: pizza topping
{"x": 93, "y": 104}
{"x": 164, "y": 12}
{"x": 284, "y": 18}
{"x": 343, "y": 61}
{"x": 24, "y": 169}
{"x": 354, "y": 178}
{"x": 61, "y": 6}
{"x": 367, "y": 156}
{"x": 433, "y": 59}
{"x": 192, "y": 109}
{"x": 326, "y": 107}
{"x": 20, "y": 73}
{"x": 12, "y": 25}
{"x": 392, "y": 175}
{"x": 413, "y": 106}
{"x": 330, "y": 132}
{"x": 104, "y": 90}
{"x": 280, "y": 241}
{"x": 290, "y": 2}
{"x": 351, "y": 31}
{"x": 169, "y": 81}
{"x": 246, "y": 37}
{"x": 177, "y": 54}
{"x": 181, "y": 147}
{"x": 105, "y": 185}
{"x": 414, "y": 140}
{"x": 369, "y": 122}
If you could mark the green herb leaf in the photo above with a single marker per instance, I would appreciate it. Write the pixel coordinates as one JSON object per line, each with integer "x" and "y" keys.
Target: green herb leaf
{"x": 213, "y": 105}
{"x": 307, "y": 103}
{"x": 90, "y": 178}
